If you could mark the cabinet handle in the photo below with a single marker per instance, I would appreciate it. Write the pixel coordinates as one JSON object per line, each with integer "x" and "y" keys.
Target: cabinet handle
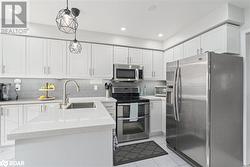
{"x": 93, "y": 71}
{"x": 48, "y": 70}
{"x": 198, "y": 51}
{"x": 44, "y": 70}
{"x": 3, "y": 69}
{"x": 201, "y": 50}
{"x": 128, "y": 60}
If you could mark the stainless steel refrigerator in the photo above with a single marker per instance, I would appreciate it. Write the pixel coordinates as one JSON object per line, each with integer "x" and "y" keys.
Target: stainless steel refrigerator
{"x": 204, "y": 112}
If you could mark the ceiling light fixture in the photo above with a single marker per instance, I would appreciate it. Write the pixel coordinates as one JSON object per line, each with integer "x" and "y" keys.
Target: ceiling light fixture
{"x": 160, "y": 35}
{"x": 123, "y": 29}
{"x": 66, "y": 20}
{"x": 75, "y": 46}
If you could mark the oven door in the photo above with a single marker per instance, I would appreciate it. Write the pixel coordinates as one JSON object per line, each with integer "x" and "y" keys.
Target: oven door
{"x": 128, "y": 130}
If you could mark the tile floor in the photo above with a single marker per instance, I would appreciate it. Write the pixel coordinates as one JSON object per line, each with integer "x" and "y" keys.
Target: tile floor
{"x": 170, "y": 160}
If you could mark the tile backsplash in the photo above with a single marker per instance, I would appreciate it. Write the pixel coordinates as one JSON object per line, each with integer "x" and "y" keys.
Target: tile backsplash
{"x": 88, "y": 88}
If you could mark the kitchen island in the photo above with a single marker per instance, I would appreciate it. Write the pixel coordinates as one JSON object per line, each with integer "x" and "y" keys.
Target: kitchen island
{"x": 67, "y": 137}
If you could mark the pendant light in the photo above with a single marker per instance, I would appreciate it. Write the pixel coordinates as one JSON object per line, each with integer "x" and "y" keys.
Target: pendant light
{"x": 66, "y": 20}
{"x": 75, "y": 46}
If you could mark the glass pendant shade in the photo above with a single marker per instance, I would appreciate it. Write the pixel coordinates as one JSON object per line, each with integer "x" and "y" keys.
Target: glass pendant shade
{"x": 66, "y": 21}
{"x": 75, "y": 47}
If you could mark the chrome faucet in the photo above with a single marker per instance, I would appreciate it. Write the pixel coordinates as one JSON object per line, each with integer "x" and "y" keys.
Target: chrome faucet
{"x": 65, "y": 95}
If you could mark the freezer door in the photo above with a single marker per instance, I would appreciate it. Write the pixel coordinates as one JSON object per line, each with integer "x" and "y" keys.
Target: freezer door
{"x": 192, "y": 93}
{"x": 171, "y": 120}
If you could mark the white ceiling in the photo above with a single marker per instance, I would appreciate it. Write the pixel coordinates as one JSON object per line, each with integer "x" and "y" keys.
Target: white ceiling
{"x": 142, "y": 18}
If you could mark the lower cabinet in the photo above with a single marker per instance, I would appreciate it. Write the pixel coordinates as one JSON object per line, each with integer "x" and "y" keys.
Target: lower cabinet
{"x": 14, "y": 116}
{"x": 155, "y": 117}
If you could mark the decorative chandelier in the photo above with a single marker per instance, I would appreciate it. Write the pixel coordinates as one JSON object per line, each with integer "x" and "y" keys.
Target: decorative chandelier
{"x": 75, "y": 46}
{"x": 66, "y": 20}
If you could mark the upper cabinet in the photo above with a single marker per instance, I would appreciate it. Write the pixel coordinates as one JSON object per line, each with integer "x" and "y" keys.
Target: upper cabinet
{"x": 192, "y": 47}
{"x": 79, "y": 65}
{"x": 168, "y": 57}
{"x": 135, "y": 56}
{"x": 153, "y": 65}
{"x": 56, "y": 59}
{"x": 157, "y": 65}
{"x": 102, "y": 61}
{"x": 12, "y": 55}
{"x": 178, "y": 52}
{"x": 36, "y": 50}
{"x": 224, "y": 39}
{"x": 121, "y": 55}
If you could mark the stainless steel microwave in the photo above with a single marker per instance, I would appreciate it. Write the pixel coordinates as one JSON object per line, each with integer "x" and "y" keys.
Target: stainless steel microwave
{"x": 124, "y": 72}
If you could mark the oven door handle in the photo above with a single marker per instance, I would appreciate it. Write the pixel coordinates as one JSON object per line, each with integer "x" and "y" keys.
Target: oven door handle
{"x": 125, "y": 119}
{"x": 128, "y": 104}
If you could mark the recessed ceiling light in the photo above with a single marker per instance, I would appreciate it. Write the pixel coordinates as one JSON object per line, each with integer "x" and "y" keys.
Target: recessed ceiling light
{"x": 160, "y": 35}
{"x": 123, "y": 29}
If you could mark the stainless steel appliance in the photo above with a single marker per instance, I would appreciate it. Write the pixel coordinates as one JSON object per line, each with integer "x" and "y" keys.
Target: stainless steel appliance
{"x": 5, "y": 92}
{"x": 204, "y": 119}
{"x": 128, "y": 128}
{"x": 124, "y": 72}
{"x": 160, "y": 91}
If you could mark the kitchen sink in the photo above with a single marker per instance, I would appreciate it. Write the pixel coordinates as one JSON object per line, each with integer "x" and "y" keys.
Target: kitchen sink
{"x": 81, "y": 105}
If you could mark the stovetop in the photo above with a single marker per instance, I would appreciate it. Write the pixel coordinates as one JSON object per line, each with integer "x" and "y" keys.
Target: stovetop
{"x": 132, "y": 100}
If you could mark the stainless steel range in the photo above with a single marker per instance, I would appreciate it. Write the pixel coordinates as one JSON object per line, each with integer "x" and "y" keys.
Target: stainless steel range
{"x": 132, "y": 114}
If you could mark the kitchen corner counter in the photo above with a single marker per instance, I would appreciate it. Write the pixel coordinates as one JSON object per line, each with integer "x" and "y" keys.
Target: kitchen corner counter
{"x": 69, "y": 121}
{"x": 154, "y": 98}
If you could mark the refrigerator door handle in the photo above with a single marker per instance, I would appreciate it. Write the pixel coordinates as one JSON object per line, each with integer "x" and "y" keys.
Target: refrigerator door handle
{"x": 177, "y": 93}
{"x": 174, "y": 94}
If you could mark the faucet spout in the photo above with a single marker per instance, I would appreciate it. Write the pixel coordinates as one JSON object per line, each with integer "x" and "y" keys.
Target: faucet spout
{"x": 65, "y": 98}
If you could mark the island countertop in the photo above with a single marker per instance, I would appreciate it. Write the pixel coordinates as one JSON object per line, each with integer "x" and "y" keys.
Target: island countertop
{"x": 66, "y": 121}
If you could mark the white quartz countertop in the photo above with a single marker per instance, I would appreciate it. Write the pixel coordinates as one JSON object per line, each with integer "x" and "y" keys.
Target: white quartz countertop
{"x": 154, "y": 98}
{"x": 70, "y": 121}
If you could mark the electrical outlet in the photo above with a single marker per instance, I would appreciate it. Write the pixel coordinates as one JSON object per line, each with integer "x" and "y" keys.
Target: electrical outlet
{"x": 95, "y": 87}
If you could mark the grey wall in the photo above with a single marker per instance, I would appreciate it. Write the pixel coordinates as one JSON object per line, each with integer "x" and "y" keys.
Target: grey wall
{"x": 29, "y": 87}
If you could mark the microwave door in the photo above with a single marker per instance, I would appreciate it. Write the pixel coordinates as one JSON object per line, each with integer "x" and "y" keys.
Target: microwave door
{"x": 125, "y": 74}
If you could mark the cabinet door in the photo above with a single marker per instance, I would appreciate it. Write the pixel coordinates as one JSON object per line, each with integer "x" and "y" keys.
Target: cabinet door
{"x": 155, "y": 117}
{"x": 13, "y": 52}
{"x": 178, "y": 52}
{"x": 31, "y": 111}
{"x": 36, "y": 57}
{"x": 163, "y": 117}
{"x": 192, "y": 47}
{"x": 12, "y": 119}
{"x": 56, "y": 58}
{"x": 135, "y": 56}
{"x": 121, "y": 55}
{"x": 147, "y": 64}
{"x": 102, "y": 61}
{"x": 79, "y": 64}
{"x": 158, "y": 65}
{"x": 168, "y": 57}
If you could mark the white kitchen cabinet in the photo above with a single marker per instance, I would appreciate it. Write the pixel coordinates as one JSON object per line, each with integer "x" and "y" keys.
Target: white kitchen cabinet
{"x": 178, "y": 52}
{"x": 157, "y": 65}
{"x": 102, "y": 61}
{"x": 11, "y": 119}
{"x": 79, "y": 64}
{"x": 13, "y": 55}
{"x": 153, "y": 65}
{"x": 135, "y": 56}
{"x": 168, "y": 57}
{"x": 147, "y": 64}
{"x": 223, "y": 39}
{"x": 155, "y": 117}
{"x": 192, "y": 47}
{"x": 36, "y": 49}
{"x": 56, "y": 59}
{"x": 121, "y": 55}
{"x": 163, "y": 116}
{"x": 31, "y": 111}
